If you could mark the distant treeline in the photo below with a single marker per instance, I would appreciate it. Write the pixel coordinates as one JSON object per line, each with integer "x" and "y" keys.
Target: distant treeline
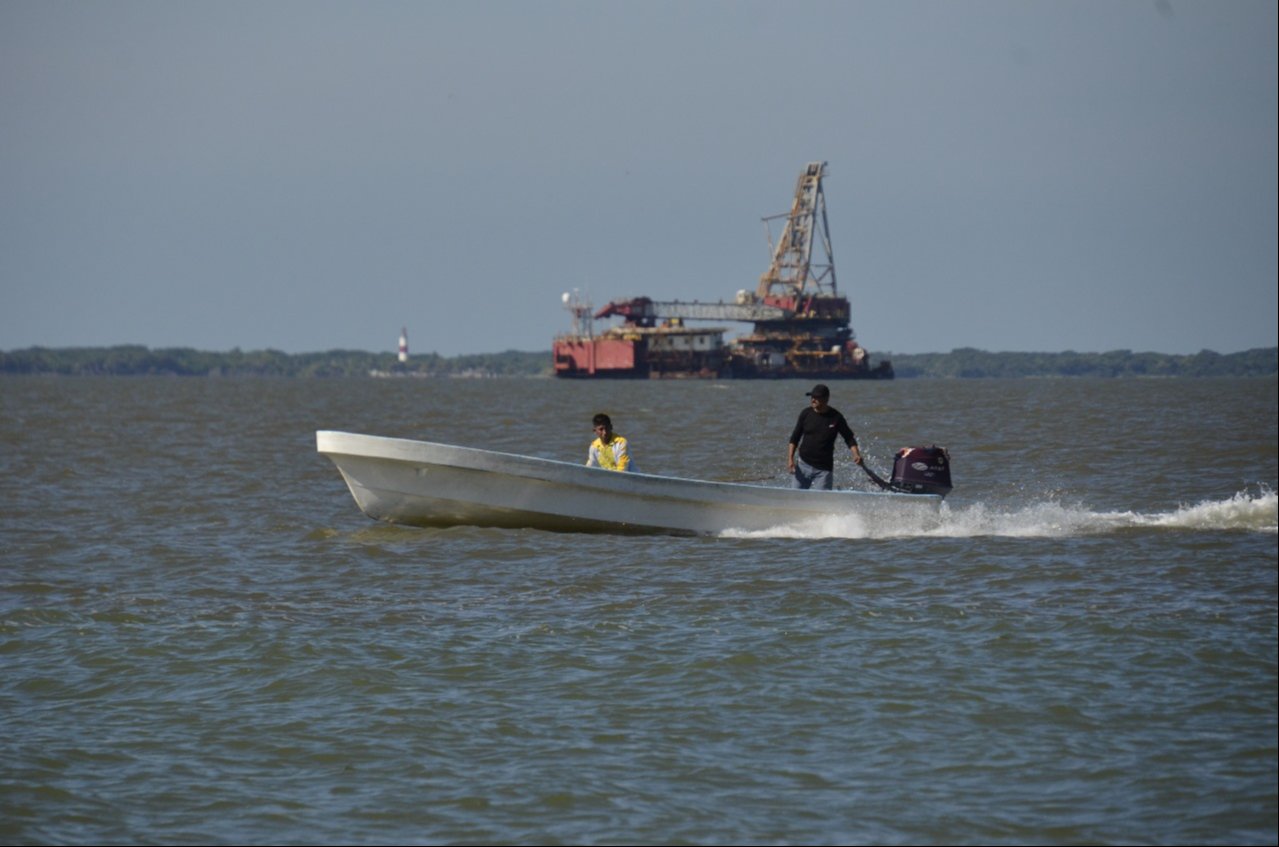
{"x": 969, "y": 363}
{"x": 964, "y": 363}
{"x": 135, "y": 360}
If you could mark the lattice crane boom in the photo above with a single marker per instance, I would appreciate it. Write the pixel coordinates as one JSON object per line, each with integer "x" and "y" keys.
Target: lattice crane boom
{"x": 642, "y": 310}
{"x": 794, "y": 269}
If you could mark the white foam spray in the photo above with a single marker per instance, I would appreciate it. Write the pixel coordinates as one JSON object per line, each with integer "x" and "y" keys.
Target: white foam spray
{"x": 1254, "y": 510}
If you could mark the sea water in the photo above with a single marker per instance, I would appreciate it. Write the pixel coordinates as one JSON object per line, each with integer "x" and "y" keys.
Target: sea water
{"x": 202, "y": 639}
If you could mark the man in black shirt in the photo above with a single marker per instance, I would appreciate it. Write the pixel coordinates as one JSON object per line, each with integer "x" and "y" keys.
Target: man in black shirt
{"x": 814, "y": 435}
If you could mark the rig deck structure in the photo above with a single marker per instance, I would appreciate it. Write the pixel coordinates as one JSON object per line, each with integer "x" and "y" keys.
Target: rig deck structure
{"x": 801, "y": 323}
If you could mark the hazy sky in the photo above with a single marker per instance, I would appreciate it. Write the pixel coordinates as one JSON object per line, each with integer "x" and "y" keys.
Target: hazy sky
{"x": 307, "y": 175}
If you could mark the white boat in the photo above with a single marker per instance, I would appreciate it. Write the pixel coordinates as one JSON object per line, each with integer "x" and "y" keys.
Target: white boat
{"x": 420, "y": 483}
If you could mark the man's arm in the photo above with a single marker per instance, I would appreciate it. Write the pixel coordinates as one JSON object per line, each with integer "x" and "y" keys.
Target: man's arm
{"x": 795, "y": 435}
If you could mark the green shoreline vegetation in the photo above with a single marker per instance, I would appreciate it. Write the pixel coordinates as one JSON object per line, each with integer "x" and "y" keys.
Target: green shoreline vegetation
{"x": 963, "y": 363}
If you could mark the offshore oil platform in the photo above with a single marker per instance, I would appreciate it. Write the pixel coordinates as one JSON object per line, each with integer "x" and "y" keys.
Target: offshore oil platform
{"x": 801, "y": 322}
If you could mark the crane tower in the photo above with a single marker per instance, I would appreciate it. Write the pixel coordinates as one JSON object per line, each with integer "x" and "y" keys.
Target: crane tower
{"x": 793, "y": 270}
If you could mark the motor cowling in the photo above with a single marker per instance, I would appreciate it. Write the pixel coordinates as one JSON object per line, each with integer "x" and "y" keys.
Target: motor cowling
{"x": 922, "y": 470}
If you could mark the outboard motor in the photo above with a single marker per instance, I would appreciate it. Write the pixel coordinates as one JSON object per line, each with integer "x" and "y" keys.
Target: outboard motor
{"x": 922, "y": 470}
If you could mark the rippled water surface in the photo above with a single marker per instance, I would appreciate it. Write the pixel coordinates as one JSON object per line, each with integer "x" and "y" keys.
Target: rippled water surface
{"x": 202, "y": 640}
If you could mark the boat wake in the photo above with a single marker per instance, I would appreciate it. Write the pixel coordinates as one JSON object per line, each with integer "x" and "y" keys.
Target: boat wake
{"x": 1254, "y": 510}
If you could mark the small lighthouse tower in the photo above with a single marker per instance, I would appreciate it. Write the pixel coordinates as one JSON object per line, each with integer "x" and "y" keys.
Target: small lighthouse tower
{"x": 404, "y": 344}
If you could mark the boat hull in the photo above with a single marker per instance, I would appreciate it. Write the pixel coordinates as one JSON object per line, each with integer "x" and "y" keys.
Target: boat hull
{"x": 421, "y": 483}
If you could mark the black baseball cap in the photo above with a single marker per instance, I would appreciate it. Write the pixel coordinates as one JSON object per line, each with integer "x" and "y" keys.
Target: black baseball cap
{"x": 819, "y": 391}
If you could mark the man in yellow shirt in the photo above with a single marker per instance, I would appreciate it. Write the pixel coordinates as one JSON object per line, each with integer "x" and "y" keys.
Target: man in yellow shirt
{"x": 608, "y": 450}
